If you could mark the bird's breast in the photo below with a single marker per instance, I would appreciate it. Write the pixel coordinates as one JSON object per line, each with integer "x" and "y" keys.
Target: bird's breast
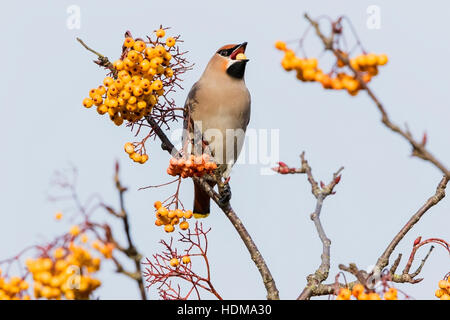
{"x": 222, "y": 106}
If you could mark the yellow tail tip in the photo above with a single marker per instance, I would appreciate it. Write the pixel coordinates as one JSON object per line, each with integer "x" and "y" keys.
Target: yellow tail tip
{"x": 200, "y": 215}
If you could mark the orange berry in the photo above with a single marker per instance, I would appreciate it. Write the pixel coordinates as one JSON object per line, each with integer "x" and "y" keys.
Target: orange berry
{"x": 84, "y": 238}
{"x": 128, "y": 42}
{"x": 174, "y": 262}
{"x": 102, "y": 109}
{"x": 363, "y": 296}
{"x": 58, "y": 215}
{"x": 344, "y": 294}
{"x": 179, "y": 213}
{"x": 188, "y": 214}
{"x": 129, "y": 148}
{"x": 326, "y": 82}
{"x": 319, "y": 77}
{"x": 157, "y": 85}
{"x": 157, "y": 204}
{"x": 357, "y": 290}
{"x": 309, "y": 74}
{"x": 139, "y": 46}
{"x": 158, "y": 222}
{"x": 160, "y": 33}
{"x": 186, "y": 259}
{"x": 171, "y": 214}
{"x": 169, "y": 228}
{"x": 144, "y": 159}
{"x": 133, "y": 55}
{"x": 88, "y": 102}
{"x": 118, "y": 121}
{"x": 336, "y": 84}
{"x": 132, "y": 100}
{"x": 138, "y": 91}
{"x": 168, "y": 72}
{"x": 170, "y": 42}
{"x": 372, "y": 70}
{"x": 354, "y": 64}
{"x": 96, "y": 245}
{"x": 184, "y": 225}
{"x": 391, "y": 294}
{"x": 74, "y": 230}
{"x": 382, "y": 59}
{"x": 311, "y": 63}
{"x": 92, "y": 92}
{"x": 150, "y": 53}
{"x": 374, "y": 296}
{"x": 108, "y": 81}
{"x": 372, "y": 59}
{"x": 59, "y": 253}
{"x": 118, "y": 65}
{"x": 366, "y": 77}
{"x": 361, "y": 60}
{"x": 280, "y": 45}
{"x": 162, "y": 211}
{"x": 442, "y": 284}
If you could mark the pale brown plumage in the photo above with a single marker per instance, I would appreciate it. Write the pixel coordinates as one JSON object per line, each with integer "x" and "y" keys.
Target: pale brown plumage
{"x": 217, "y": 102}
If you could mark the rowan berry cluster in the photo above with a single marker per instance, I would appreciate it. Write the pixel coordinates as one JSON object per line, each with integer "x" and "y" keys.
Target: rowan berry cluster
{"x": 191, "y": 166}
{"x": 66, "y": 273}
{"x": 443, "y": 292}
{"x": 170, "y": 218}
{"x": 13, "y": 289}
{"x": 359, "y": 293}
{"x": 308, "y": 71}
{"x": 136, "y": 156}
{"x": 138, "y": 80}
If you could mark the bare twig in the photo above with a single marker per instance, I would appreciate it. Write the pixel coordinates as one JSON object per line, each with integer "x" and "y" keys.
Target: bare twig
{"x": 131, "y": 251}
{"x": 320, "y": 193}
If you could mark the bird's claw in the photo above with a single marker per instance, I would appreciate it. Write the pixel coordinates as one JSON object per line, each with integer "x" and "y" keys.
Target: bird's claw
{"x": 224, "y": 194}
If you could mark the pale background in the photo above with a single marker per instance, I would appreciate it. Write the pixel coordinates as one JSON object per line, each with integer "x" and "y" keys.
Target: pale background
{"x": 46, "y": 73}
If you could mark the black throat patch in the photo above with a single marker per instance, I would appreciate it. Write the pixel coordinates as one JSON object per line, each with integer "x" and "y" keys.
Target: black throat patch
{"x": 237, "y": 69}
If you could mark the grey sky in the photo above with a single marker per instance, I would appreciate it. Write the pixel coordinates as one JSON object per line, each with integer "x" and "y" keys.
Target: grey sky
{"x": 46, "y": 73}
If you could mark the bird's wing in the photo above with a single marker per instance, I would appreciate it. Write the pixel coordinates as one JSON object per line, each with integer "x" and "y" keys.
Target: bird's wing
{"x": 189, "y": 105}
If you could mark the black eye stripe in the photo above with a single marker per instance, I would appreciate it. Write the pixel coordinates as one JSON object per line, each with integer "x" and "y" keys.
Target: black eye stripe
{"x": 226, "y": 52}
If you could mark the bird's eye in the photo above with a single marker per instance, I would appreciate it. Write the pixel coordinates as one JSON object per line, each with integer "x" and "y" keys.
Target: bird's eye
{"x": 223, "y": 53}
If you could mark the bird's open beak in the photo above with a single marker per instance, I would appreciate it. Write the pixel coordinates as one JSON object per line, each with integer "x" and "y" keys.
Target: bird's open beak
{"x": 239, "y": 49}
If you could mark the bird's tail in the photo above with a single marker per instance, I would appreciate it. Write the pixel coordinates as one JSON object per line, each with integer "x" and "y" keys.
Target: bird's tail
{"x": 202, "y": 201}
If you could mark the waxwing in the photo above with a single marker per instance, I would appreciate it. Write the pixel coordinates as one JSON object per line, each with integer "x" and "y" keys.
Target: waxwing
{"x": 217, "y": 112}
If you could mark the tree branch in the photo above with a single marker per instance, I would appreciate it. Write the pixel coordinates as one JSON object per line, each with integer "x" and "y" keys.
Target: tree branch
{"x": 383, "y": 260}
{"x": 418, "y": 147}
{"x": 320, "y": 193}
{"x": 269, "y": 282}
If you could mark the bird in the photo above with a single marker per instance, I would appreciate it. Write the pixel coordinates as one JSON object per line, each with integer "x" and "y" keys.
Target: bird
{"x": 217, "y": 110}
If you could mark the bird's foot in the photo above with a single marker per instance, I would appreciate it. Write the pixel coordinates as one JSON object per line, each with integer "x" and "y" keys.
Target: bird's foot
{"x": 224, "y": 193}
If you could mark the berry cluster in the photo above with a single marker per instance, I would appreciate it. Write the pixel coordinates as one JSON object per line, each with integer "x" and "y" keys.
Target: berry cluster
{"x": 14, "y": 289}
{"x": 138, "y": 80}
{"x": 307, "y": 69}
{"x": 192, "y": 166}
{"x": 67, "y": 273}
{"x": 359, "y": 292}
{"x": 170, "y": 218}
{"x": 443, "y": 292}
{"x": 175, "y": 262}
{"x": 139, "y": 157}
